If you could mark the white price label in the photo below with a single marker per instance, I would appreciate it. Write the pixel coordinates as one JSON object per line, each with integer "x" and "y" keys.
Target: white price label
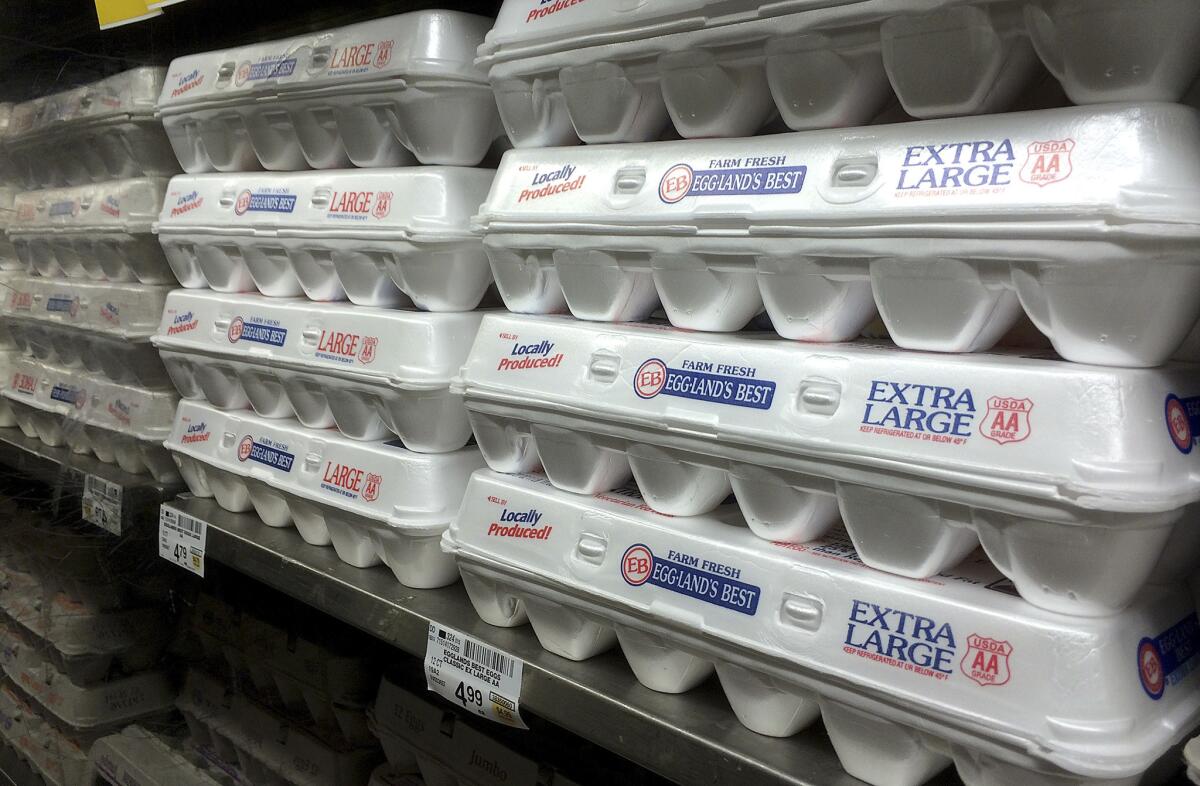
{"x": 181, "y": 539}
{"x": 476, "y": 677}
{"x": 102, "y": 503}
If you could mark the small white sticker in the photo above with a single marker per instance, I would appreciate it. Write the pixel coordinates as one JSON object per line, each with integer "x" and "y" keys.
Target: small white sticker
{"x": 474, "y": 676}
{"x": 181, "y": 539}
{"x": 102, "y": 503}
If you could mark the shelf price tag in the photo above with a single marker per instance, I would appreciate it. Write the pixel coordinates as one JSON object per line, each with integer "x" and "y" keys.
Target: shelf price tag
{"x": 476, "y": 677}
{"x": 102, "y": 503}
{"x": 181, "y": 539}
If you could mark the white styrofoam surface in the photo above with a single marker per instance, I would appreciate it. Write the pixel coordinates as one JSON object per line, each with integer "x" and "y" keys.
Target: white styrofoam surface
{"x": 909, "y": 676}
{"x": 1083, "y": 219}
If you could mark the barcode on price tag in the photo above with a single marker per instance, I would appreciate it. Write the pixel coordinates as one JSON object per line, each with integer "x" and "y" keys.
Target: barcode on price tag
{"x": 476, "y": 677}
{"x": 102, "y": 503}
{"x": 181, "y": 539}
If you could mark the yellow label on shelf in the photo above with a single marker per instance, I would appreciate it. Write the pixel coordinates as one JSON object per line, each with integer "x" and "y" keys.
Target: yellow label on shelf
{"x": 113, "y": 13}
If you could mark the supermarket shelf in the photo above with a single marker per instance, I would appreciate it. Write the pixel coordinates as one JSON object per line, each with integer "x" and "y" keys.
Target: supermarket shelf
{"x": 691, "y": 738}
{"x": 120, "y": 504}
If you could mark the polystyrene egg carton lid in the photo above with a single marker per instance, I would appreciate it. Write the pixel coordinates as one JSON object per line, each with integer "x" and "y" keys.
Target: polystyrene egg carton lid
{"x": 411, "y": 350}
{"x": 106, "y": 705}
{"x": 74, "y": 629}
{"x": 894, "y": 665}
{"x": 428, "y": 204}
{"x": 129, "y": 206}
{"x": 130, "y": 94}
{"x": 140, "y": 757}
{"x": 432, "y": 44}
{"x": 919, "y": 458}
{"x": 1083, "y": 218}
{"x": 379, "y": 481}
{"x": 124, "y": 310}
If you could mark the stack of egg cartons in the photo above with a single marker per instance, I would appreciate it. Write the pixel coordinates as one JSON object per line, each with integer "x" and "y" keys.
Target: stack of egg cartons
{"x": 270, "y": 704}
{"x": 82, "y": 630}
{"x": 94, "y": 160}
{"x": 367, "y": 279}
{"x": 845, "y": 579}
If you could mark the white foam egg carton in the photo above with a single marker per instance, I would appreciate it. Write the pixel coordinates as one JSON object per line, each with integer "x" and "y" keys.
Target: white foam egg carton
{"x": 103, "y": 327}
{"x": 8, "y": 357}
{"x": 418, "y": 734}
{"x": 96, "y": 231}
{"x": 387, "y": 775}
{"x": 59, "y": 760}
{"x": 84, "y": 710}
{"x": 84, "y": 644}
{"x": 570, "y": 71}
{"x": 119, "y": 424}
{"x": 1081, "y": 482}
{"x": 388, "y": 237}
{"x": 267, "y": 749}
{"x": 908, "y": 676}
{"x": 137, "y": 757}
{"x": 371, "y": 372}
{"x": 101, "y": 131}
{"x": 9, "y": 260}
{"x": 1083, "y": 219}
{"x": 388, "y": 92}
{"x": 374, "y": 501}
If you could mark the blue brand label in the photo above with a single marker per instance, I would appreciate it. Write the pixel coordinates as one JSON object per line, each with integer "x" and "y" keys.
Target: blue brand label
{"x": 1183, "y": 421}
{"x": 264, "y": 334}
{"x": 272, "y": 67}
{"x": 62, "y": 208}
{"x": 259, "y": 202}
{"x": 695, "y": 577}
{"x": 64, "y": 304}
{"x": 751, "y": 175}
{"x": 66, "y": 395}
{"x": 275, "y": 457}
{"x": 717, "y": 383}
{"x": 1168, "y": 657}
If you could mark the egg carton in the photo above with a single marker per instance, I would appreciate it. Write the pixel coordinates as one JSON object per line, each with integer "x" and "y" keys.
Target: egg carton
{"x": 103, "y": 327}
{"x": 84, "y": 711}
{"x": 388, "y": 238}
{"x": 374, "y": 501}
{"x": 1080, "y": 482}
{"x": 9, "y": 260}
{"x": 373, "y": 373}
{"x": 8, "y": 357}
{"x": 267, "y": 749}
{"x": 565, "y": 72}
{"x": 1083, "y": 219}
{"x": 137, "y": 757}
{"x": 387, "y": 775}
{"x": 908, "y": 676}
{"x": 59, "y": 760}
{"x": 95, "y": 231}
{"x": 101, "y": 131}
{"x": 119, "y": 424}
{"x": 420, "y": 736}
{"x": 325, "y": 686}
{"x": 388, "y": 92}
{"x": 84, "y": 644}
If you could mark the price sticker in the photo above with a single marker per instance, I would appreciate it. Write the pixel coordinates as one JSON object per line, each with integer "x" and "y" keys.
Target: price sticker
{"x": 476, "y": 677}
{"x": 181, "y": 539}
{"x": 102, "y": 503}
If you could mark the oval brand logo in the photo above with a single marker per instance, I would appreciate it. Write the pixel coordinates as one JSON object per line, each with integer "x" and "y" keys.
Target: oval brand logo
{"x": 1179, "y": 425}
{"x": 235, "y": 329}
{"x": 675, "y": 184}
{"x": 1150, "y": 669}
{"x": 649, "y": 379}
{"x": 244, "y": 448}
{"x": 243, "y": 203}
{"x": 636, "y": 565}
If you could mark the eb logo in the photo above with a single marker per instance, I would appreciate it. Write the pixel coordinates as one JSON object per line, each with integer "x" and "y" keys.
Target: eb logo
{"x": 636, "y": 565}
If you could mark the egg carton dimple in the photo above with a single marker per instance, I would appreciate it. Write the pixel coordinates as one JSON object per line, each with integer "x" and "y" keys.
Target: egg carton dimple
{"x": 264, "y": 746}
{"x": 388, "y": 237}
{"x": 389, "y": 92}
{"x": 708, "y": 71}
{"x": 1082, "y": 219}
{"x": 909, "y": 677}
{"x": 922, "y": 461}
{"x": 371, "y": 372}
{"x": 102, "y": 131}
{"x": 375, "y": 502}
{"x": 98, "y": 232}
{"x": 119, "y": 424}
